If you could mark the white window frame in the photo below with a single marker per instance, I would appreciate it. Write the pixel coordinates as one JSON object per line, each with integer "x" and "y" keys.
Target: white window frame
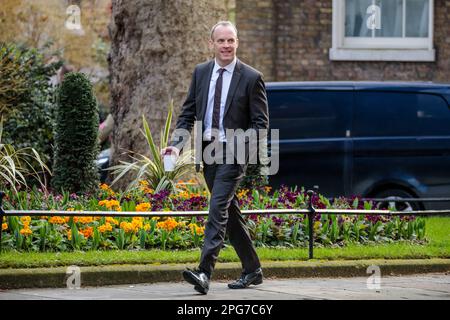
{"x": 379, "y": 49}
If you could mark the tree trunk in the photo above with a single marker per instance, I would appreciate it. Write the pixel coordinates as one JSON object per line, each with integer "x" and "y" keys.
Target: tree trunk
{"x": 155, "y": 44}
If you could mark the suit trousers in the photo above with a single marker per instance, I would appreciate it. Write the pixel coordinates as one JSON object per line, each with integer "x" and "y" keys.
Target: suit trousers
{"x": 225, "y": 218}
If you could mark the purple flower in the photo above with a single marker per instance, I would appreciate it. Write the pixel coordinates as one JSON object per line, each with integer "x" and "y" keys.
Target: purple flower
{"x": 160, "y": 196}
{"x": 373, "y": 218}
{"x": 201, "y": 219}
{"x": 277, "y": 220}
{"x": 157, "y": 207}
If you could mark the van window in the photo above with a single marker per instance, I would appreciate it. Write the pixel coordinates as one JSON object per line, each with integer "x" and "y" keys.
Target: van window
{"x": 434, "y": 115}
{"x": 400, "y": 114}
{"x": 303, "y": 114}
{"x": 380, "y": 114}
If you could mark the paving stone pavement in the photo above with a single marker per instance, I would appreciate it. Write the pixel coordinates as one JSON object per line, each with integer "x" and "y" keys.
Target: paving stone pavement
{"x": 412, "y": 287}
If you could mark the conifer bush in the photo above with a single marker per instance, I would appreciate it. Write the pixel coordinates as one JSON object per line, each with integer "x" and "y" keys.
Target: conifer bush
{"x": 76, "y": 132}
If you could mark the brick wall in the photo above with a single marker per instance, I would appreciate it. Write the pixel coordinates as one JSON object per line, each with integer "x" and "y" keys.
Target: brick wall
{"x": 255, "y": 24}
{"x": 290, "y": 40}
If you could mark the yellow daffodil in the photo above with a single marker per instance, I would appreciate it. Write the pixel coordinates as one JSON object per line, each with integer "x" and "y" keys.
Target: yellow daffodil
{"x": 127, "y": 226}
{"x": 169, "y": 224}
{"x": 107, "y": 188}
{"x": 57, "y": 220}
{"x": 25, "y": 219}
{"x": 112, "y": 220}
{"x": 143, "y": 183}
{"x": 200, "y": 230}
{"x": 144, "y": 187}
{"x": 26, "y": 232}
{"x": 109, "y": 204}
{"x": 103, "y": 203}
{"x": 87, "y": 232}
{"x": 86, "y": 220}
{"x": 137, "y": 223}
{"x": 196, "y": 229}
{"x": 105, "y": 227}
{"x": 144, "y": 206}
{"x": 242, "y": 193}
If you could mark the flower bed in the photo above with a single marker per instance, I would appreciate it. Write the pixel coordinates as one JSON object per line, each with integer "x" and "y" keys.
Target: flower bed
{"x": 92, "y": 233}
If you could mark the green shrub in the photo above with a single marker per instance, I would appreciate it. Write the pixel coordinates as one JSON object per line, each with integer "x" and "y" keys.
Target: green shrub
{"x": 15, "y": 166}
{"x": 13, "y": 82}
{"x": 26, "y": 100}
{"x": 76, "y": 134}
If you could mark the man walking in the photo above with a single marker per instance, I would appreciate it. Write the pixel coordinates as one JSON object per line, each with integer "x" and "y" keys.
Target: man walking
{"x": 224, "y": 94}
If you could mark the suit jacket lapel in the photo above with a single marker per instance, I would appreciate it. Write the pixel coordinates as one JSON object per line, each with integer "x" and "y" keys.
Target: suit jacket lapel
{"x": 233, "y": 86}
{"x": 205, "y": 85}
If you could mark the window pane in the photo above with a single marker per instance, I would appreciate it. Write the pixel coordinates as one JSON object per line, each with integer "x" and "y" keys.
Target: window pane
{"x": 356, "y": 18}
{"x": 417, "y": 18}
{"x": 434, "y": 115}
{"x": 400, "y": 114}
{"x": 380, "y": 114}
{"x": 388, "y": 18}
{"x": 391, "y": 18}
{"x": 310, "y": 114}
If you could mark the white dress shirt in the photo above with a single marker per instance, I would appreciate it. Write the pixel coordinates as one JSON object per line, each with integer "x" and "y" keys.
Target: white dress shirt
{"x": 226, "y": 80}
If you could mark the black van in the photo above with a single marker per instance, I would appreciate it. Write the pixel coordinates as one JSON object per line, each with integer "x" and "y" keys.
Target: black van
{"x": 371, "y": 139}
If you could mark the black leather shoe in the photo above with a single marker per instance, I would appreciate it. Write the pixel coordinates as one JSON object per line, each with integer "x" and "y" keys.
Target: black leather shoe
{"x": 197, "y": 278}
{"x": 246, "y": 280}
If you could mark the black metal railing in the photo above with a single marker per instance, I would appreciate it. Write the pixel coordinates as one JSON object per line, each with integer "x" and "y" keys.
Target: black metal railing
{"x": 311, "y": 212}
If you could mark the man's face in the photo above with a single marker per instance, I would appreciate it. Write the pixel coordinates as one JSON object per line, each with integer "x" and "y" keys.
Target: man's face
{"x": 224, "y": 45}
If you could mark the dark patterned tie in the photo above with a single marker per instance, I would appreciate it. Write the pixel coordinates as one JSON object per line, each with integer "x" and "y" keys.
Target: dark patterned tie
{"x": 217, "y": 98}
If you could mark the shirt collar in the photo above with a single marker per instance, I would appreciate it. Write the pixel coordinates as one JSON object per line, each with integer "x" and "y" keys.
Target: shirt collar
{"x": 229, "y": 67}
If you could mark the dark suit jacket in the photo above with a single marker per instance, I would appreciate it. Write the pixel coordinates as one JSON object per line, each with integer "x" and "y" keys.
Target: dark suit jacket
{"x": 246, "y": 104}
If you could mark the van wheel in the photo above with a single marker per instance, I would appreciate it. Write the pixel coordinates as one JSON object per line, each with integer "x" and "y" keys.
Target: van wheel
{"x": 396, "y": 194}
